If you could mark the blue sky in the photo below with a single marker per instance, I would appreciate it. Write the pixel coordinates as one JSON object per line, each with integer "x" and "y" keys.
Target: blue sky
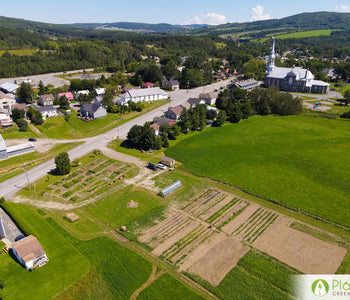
{"x": 163, "y": 11}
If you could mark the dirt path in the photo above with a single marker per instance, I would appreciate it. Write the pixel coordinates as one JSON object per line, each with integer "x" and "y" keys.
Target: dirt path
{"x": 154, "y": 276}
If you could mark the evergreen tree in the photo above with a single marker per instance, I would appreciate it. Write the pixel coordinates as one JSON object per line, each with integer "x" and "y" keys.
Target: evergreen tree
{"x": 25, "y": 92}
{"x": 41, "y": 88}
{"x": 63, "y": 102}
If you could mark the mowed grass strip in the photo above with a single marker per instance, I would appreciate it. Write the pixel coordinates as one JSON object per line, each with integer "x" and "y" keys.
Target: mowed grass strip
{"x": 297, "y": 161}
{"x": 167, "y": 287}
{"x": 66, "y": 264}
{"x": 122, "y": 269}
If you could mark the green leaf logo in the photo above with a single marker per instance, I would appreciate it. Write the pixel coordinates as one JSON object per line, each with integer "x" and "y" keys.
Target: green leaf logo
{"x": 320, "y": 287}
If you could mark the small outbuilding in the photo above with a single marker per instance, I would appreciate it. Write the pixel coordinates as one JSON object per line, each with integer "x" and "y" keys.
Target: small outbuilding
{"x": 29, "y": 252}
{"x": 170, "y": 162}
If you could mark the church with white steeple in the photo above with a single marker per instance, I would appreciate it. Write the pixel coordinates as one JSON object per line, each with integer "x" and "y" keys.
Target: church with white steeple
{"x": 294, "y": 79}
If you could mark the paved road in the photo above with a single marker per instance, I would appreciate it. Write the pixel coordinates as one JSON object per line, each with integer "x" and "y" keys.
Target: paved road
{"x": 11, "y": 186}
{"x": 11, "y": 230}
{"x": 46, "y": 78}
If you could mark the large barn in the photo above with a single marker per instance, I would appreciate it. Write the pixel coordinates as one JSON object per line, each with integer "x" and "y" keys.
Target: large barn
{"x": 294, "y": 79}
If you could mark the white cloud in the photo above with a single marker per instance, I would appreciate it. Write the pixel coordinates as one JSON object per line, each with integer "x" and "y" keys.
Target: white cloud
{"x": 343, "y": 7}
{"x": 208, "y": 18}
{"x": 257, "y": 14}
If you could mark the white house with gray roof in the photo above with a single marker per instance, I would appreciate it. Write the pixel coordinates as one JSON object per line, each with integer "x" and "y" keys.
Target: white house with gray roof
{"x": 294, "y": 79}
{"x": 143, "y": 95}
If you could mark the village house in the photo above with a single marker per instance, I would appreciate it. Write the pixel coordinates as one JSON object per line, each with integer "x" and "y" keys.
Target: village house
{"x": 194, "y": 101}
{"x": 148, "y": 85}
{"x": 5, "y": 119}
{"x": 155, "y": 127}
{"x": 93, "y": 110}
{"x": 46, "y": 99}
{"x": 68, "y": 95}
{"x": 209, "y": 98}
{"x": 171, "y": 84}
{"x": 143, "y": 95}
{"x": 29, "y": 253}
{"x": 6, "y": 102}
{"x": 47, "y": 111}
{"x": 100, "y": 91}
{"x": 83, "y": 92}
{"x": 162, "y": 121}
{"x": 174, "y": 112}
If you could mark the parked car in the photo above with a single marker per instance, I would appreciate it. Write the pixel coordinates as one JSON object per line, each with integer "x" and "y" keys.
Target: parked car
{"x": 32, "y": 140}
{"x": 161, "y": 166}
{"x": 152, "y": 166}
{"x": 19, "y": 237}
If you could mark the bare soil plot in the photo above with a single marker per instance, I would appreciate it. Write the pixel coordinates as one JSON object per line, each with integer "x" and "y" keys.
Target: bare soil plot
{"x": 300, "y": 250}
{"x": 213, "y": 260}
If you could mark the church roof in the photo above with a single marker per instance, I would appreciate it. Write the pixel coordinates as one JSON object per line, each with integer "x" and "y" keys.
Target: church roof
{"x": 299, "y": 73}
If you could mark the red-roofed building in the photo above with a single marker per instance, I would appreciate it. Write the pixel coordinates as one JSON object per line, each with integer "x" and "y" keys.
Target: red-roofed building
{"x": 148, "y": 85}
{"x": 68, "y": 95}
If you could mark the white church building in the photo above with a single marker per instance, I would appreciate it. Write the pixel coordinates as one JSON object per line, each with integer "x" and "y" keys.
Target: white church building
{"x": 294, "y": 79}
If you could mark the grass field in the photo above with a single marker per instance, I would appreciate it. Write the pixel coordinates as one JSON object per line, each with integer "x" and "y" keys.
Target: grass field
{"x": 296, "y": 161}
{"x": 66, "y": 263}
{"x": 167, "y": 285}
{"x": 13, "y": 166}
{"x": 256, "y": 276}
{"x": 304, "y": 34}
{"x": 14, "y": 133}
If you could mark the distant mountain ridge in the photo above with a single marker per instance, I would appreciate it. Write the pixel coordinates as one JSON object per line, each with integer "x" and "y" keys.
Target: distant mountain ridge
{"x": 303, "y": 21}
{"x": 139, "y": 27}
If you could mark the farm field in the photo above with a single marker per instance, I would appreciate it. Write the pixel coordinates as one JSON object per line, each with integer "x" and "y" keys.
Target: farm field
{"x": 300, "y": 161}
{"x": 211, "y": 234}
{"x": 13, "y": 166}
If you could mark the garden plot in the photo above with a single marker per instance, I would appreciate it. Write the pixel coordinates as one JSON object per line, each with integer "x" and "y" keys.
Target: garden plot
{"x": 205, "y": 202}
{"x": 79, "y": 185}
{"x": 255, "y": 225}
{"x": 214, "y": 259}
{"x": 183, "y": 247}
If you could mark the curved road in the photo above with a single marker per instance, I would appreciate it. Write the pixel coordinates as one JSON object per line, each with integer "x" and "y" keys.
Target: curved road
{"x": 11, "y": 186}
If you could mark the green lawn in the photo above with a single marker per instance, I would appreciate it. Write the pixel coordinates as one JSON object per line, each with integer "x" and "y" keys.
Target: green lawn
{"x": 297, "y": 161}
{"x": 14, "y": 133}
{"x": 66, "y": 263}
{"x": 166, "y": 287}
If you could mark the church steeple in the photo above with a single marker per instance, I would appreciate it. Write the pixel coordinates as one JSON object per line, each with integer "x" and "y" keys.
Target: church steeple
{"x": 271, "y": 62}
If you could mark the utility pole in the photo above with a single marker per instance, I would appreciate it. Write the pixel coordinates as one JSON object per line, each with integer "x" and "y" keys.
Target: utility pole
{"x": 25, "y": 170}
